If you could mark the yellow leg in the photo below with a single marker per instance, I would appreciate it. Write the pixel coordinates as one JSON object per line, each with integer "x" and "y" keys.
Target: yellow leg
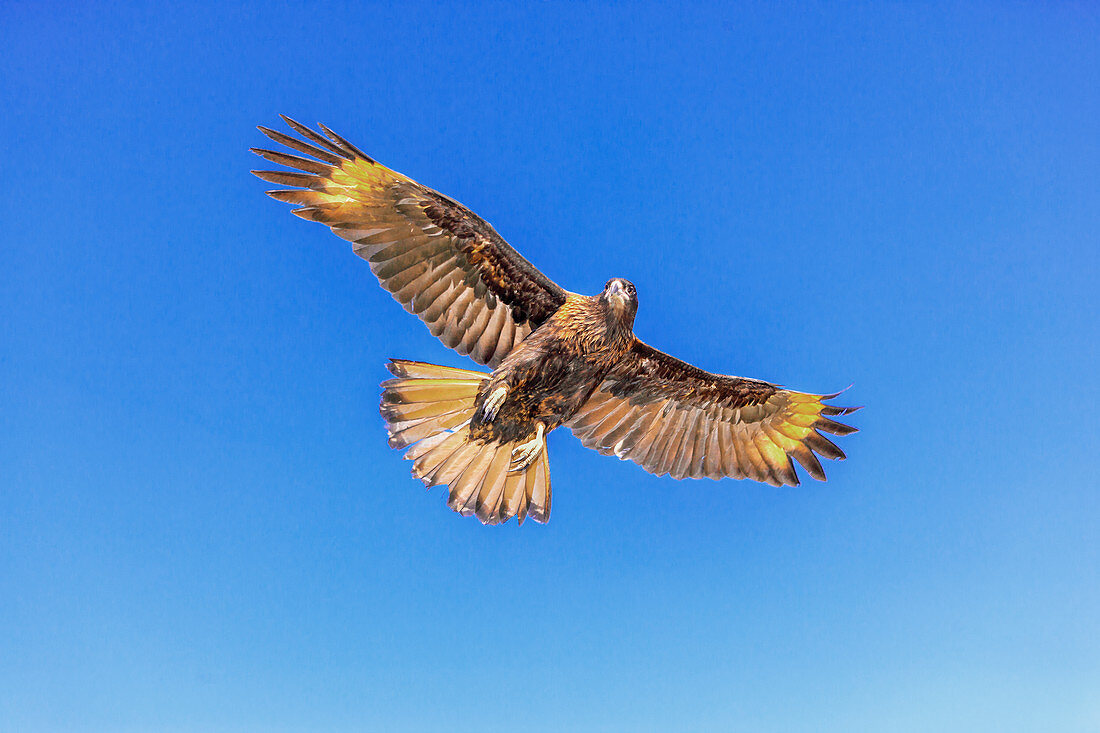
{"x": 525, "y": 453}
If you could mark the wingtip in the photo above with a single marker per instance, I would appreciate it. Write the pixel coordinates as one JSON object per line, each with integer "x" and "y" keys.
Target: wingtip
{"x": 834, "y": 395}
{"x": 340, "y": 141}
{"x": 307, "y": 213}
{"x": 396, "y": 367}
{"x": 837, "y": 411}
{"x": 265, "y": 176}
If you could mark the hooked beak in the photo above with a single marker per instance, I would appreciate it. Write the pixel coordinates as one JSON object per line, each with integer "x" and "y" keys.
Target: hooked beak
{"x": 617, "y": 294}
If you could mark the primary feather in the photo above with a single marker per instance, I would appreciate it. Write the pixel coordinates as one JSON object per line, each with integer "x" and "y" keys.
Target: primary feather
{"x": 439, "y": 260}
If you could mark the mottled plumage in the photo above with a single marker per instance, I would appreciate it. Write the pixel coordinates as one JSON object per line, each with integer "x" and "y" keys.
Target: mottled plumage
{"x": 558, "y": 358}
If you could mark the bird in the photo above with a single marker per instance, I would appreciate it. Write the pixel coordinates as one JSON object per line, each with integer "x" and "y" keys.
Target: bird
{"x": 556, "y": 358}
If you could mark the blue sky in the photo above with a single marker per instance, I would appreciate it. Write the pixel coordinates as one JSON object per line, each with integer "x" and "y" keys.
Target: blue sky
{"x": 203, "y": 528}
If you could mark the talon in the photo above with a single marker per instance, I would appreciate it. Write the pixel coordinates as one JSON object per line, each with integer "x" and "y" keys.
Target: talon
{"x": 491, "y": 406}
{"x": 524, "y": 454}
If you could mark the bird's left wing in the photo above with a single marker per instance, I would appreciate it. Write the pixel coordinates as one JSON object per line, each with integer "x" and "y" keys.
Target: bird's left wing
{"x": 671, "y": 417}
{"x": 440, "y": 260}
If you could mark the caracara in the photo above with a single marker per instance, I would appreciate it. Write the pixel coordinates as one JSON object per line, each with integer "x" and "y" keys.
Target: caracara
{"x": 557, "y": 358}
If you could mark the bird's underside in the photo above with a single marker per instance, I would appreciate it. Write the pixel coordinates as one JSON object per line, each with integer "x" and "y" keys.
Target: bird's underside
{"x": 556, "y": 358}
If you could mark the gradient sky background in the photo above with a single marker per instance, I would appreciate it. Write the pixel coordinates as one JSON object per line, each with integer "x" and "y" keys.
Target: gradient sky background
{"x": 201, "y": 526}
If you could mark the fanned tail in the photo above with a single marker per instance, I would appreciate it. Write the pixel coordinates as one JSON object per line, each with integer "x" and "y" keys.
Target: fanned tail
{"x": 428, "y": 407}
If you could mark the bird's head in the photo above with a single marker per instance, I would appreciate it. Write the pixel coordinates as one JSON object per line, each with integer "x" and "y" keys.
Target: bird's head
{"x": 621, "y": 301}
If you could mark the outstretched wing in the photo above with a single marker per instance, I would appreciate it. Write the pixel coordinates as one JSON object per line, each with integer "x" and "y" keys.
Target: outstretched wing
{"x": 439, "y": 259}
{"x": 671, "y": 417}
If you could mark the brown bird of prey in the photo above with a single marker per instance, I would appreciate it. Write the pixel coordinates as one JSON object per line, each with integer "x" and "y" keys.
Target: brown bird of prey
{"x": 557, "y": 358}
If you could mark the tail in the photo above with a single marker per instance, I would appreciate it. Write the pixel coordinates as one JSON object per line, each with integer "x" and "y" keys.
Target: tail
{"x": 431, "y": 406}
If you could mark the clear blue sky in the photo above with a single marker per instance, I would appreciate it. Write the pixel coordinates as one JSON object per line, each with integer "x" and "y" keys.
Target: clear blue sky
{"x": 201, "y": 526}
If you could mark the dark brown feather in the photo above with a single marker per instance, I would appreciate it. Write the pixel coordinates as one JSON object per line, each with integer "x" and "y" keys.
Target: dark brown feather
{"x": 428, "y": 250}
{"x": 672, "y": 417}
{"x": 301, "y": 147}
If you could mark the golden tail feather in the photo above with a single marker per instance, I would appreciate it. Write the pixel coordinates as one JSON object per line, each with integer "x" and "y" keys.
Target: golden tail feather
{"x": 427, "y": 408}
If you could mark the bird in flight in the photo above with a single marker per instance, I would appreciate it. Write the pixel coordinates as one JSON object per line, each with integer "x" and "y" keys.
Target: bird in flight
{"x": 557, "y": 358}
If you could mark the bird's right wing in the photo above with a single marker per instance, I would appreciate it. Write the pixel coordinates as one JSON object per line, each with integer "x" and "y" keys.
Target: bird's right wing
{"x": 439, "y": 259}
{"x": 671, "y": 417}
